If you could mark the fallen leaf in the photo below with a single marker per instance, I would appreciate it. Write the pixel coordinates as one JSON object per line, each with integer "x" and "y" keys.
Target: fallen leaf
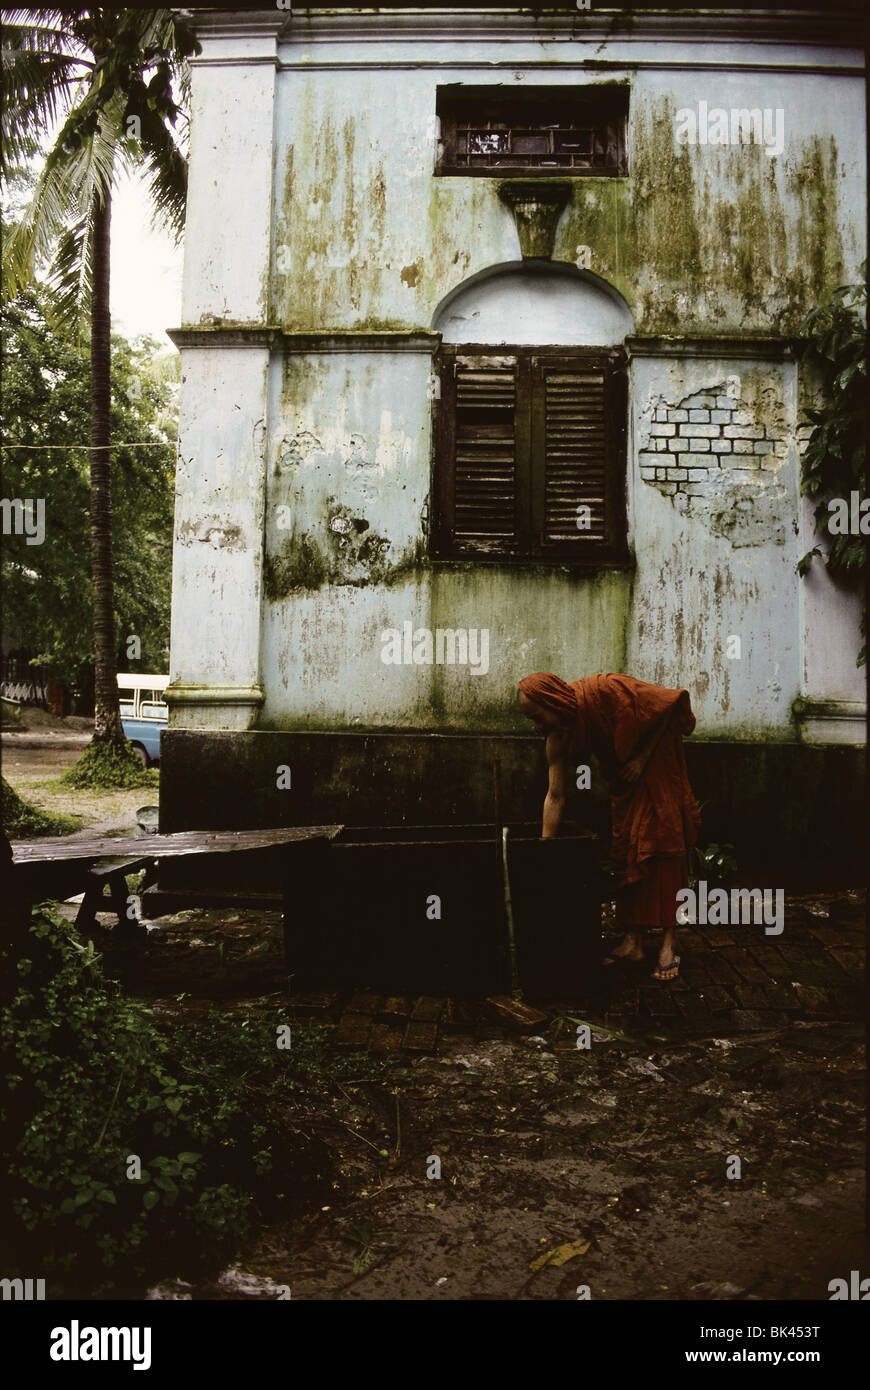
{"x": 561, "y": 1254}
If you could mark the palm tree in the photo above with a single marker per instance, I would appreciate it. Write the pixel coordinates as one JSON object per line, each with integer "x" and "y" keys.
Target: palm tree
{"x": 101, "y": 85}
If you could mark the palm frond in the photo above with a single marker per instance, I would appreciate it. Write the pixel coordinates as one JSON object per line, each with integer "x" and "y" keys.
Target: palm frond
{"x": 79, "y": 63}
{"x": 72, "y": 272}
{"x": 163, "y": 162}
{"x": 39, "y": 44}
{"x": 29, "y": 245}
{"x": 49, "y": 231}
{"x": 92, "y": 169}
{"x": 36, "y": 91}
{"x": 52, "y": 19}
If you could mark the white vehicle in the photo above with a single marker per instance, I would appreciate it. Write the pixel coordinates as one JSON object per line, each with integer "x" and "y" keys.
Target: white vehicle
{"x": 144, "y": 713}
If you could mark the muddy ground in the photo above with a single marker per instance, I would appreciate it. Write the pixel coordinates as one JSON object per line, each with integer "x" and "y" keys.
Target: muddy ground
{"x": 620, "y": 1156}
{"x": 559, "y": 1167}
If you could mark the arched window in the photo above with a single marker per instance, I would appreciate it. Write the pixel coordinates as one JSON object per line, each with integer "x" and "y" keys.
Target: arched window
{"x": 530, "y": 418}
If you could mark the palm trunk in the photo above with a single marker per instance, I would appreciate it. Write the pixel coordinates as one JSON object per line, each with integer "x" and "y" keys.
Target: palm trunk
{"x": 107, "y": 713}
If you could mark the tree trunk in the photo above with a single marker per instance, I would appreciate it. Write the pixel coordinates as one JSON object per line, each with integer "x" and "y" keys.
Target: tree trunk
{"x": 107, "y": 712}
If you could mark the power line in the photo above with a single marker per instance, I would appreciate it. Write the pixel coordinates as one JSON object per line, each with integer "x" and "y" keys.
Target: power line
{"x": 133, "y": 444}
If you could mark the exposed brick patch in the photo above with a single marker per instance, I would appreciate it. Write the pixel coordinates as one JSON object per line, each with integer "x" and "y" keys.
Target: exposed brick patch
{"x": 742, "y": 432}
{"x": 712, "y": 457}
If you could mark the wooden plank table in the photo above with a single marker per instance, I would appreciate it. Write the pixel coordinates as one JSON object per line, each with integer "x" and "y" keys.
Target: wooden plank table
{"x": 59, "y": 847}
{"x": 59, "y": 866}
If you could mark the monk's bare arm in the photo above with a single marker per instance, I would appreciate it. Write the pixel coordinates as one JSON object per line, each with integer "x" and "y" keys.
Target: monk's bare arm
{"x": 634, "y": 769}
{"x": 557, "y": 790}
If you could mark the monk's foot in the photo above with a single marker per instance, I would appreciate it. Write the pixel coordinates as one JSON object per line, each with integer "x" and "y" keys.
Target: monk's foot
{"x": 667, "y": 969}
{"x": 630, "y": 949}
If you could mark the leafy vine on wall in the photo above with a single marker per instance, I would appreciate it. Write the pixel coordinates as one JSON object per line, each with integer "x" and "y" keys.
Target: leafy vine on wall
{"x": 834, "y": 462}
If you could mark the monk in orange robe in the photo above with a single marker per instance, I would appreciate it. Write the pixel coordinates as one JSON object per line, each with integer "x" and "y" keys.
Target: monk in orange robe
{"x": 636, "y": 732}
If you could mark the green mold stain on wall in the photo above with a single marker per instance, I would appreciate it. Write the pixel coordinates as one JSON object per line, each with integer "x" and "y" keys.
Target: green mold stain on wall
{"x": 709, "y": 238}
{"x": 355, "y": 557}
{"x": 663, "y": 223}
{"x": 297, "y": 567}
{"x": 597, "y": 216}
{"x": 332, "y": 220}
{"x": 814, "y": 182}
{"x": 695, "y": 238}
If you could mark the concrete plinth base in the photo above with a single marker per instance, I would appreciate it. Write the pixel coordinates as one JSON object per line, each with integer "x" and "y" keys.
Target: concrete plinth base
{"x": 794, "y": 813}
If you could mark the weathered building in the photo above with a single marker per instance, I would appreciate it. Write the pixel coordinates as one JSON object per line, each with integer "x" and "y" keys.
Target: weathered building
{"x": 488, "y": 332}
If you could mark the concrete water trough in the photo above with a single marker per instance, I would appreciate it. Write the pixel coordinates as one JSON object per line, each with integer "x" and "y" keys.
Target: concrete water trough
{"x": 421, "y": 909}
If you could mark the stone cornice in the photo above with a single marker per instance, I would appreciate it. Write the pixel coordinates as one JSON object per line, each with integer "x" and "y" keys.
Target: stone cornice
{"x": 723, "y": 345}
{"x": 822, "y": 721}
{"x": 598, "y": 44}
{"x": 826, "y": 27}
{"x": 809, "y": 707}
{"x": 424, "y": 340}
{"x": 330, "y": 340}
{"x": 232, "y": 24}
{"x": 412, "y": 340}
{"x": 225, "y": 335}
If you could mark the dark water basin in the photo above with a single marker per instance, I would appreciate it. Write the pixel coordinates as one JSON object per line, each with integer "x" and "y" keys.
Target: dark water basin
{"x": 421, "y": 909}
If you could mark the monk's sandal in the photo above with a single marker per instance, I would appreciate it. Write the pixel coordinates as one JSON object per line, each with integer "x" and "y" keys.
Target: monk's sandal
{"x": 668, "y": 972}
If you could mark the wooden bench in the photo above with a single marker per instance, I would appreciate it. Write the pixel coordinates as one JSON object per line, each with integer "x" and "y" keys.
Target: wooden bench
{"x": 111, "y": 872}
{"x": 60, "y": 867}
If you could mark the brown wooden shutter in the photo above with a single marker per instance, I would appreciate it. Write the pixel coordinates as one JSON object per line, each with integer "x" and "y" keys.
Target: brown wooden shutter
{"x": 576, "y": 453}
{"x": 522, "y": 440}
{"x": 484, "y": 454}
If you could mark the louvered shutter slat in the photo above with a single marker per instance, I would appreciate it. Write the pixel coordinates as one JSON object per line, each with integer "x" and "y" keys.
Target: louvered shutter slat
{"x": 485, "y": 459}
{"x": 574, "y": 454}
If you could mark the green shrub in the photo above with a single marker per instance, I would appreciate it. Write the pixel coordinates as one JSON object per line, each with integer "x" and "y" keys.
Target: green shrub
{"x": 90, "y": 1083}
{"x": 209, "y": 1109}
{"x": 22, "y": 821}
{"x": 105, "y": 764}
{"x": 835, "y": 460}
{"x": 715, "y": 864}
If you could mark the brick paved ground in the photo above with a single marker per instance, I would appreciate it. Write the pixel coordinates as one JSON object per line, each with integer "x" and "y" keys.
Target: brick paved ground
{"x": 732, "y": 980}
{"x": 739, "y": 979}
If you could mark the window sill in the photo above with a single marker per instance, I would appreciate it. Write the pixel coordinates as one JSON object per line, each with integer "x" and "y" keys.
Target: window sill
{"x": 529, "y": 171}
{"x": 536, "y": 564}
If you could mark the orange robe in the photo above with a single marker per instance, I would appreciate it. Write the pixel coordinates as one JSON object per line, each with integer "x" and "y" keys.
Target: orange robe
{"x": 655, "y": 821}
